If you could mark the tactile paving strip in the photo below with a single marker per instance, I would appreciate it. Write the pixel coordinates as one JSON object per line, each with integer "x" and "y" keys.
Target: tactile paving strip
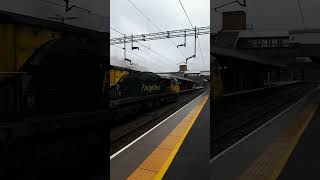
{"x": 271, "y": 162}
{"x": 160, "y": 159}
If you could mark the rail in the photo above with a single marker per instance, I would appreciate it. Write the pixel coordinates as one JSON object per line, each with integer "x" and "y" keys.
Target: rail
{"x": 272, "y": 86}
{"x": 247, "y": 94}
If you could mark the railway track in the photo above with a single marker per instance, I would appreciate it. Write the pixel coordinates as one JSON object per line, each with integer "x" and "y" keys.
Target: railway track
{"x": 241, "y": 118}
{"x": 123, "y": 134}
{"x": 51, "y": 147}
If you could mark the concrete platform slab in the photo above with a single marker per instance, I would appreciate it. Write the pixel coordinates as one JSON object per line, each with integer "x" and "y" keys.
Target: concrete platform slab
{"x": 127, "y": 160}
{"x": 256, "y": 152}
{"x": 192, "y": 160}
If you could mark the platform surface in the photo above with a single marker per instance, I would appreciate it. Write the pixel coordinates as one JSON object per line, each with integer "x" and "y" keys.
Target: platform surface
{"x": 304, "y": 160}
{"x": 192, "y": 160}
{"x": 261, "y": 154}
{"x": 127, "y": 161}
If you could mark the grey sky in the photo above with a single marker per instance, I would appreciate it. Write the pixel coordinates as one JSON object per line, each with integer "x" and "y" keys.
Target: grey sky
{"x": 97, "y": 20}
{"x": 167, "y": 15}
{"x": 273, "y": 14}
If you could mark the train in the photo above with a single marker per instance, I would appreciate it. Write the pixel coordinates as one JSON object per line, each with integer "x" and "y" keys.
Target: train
{"x": 142, "y": 84}
{"x": 49, "y": 68}
{"x": 141, "y": 91}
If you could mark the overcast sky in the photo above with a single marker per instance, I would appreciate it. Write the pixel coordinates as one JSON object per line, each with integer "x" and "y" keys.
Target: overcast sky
{"x": 97, "y": 20}
{"x": 167, "y": 15}
{"x": 273, "y": 14}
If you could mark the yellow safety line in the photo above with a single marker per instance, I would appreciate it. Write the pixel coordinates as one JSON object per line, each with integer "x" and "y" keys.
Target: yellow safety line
{"x": 270, "y": 163}
{"x": 158, "y": 162}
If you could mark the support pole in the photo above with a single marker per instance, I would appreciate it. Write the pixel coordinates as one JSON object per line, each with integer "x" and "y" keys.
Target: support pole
{"x": 132, "y": 47}
{"x": 124, "y": 48}
{"x": 195, "y": 41}
{"x": 185, "y": 38}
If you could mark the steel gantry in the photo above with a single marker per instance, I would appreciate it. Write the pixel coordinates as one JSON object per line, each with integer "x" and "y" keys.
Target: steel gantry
{"x": 161, "y": 35}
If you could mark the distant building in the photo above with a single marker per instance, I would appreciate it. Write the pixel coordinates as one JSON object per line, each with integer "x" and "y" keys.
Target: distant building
{"x": 234, "y": 20}
{"x": 183, "y": 68}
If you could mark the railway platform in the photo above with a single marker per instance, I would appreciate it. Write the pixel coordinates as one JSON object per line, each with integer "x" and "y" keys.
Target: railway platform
{"x": 303, "y": 161}
{"x": 171, "y": 149}
{"x": 282, "y": 148}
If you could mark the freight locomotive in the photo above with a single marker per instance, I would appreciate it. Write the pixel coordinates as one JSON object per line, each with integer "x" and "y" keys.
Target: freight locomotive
{"x": 140, "y": 91}
{"x": 144, "y": 84}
